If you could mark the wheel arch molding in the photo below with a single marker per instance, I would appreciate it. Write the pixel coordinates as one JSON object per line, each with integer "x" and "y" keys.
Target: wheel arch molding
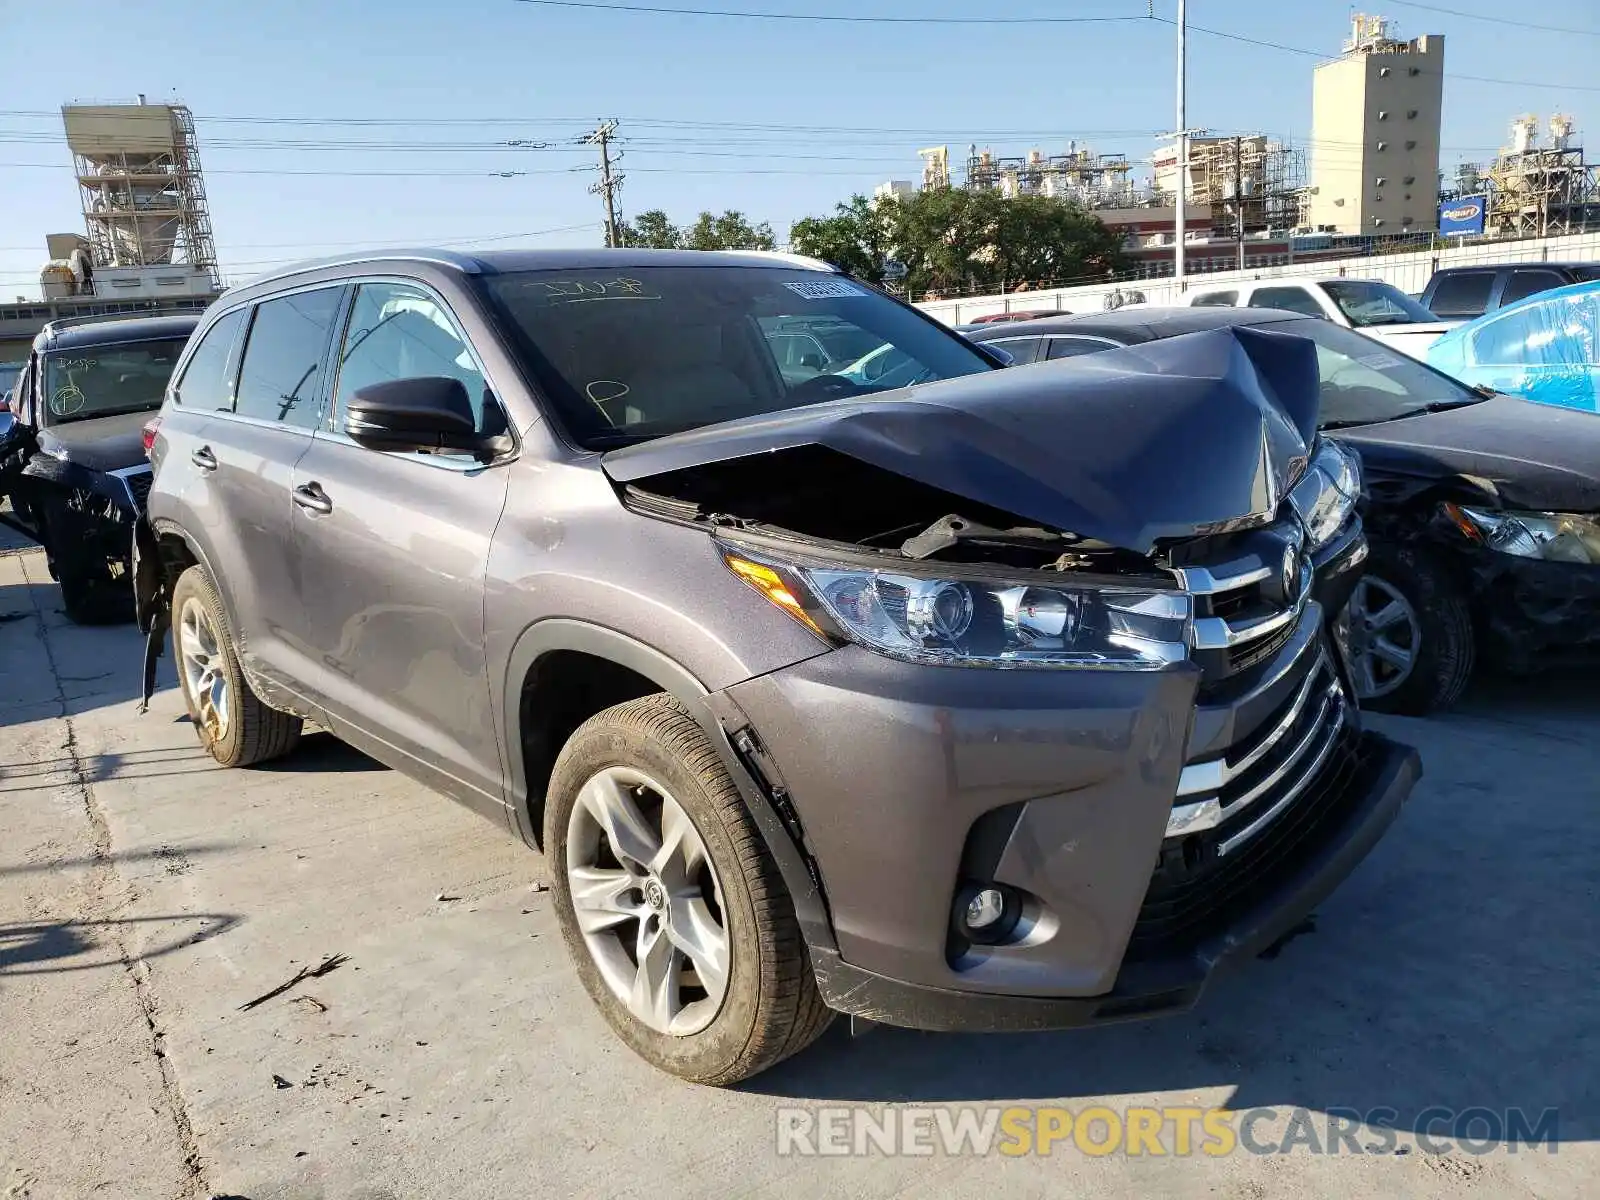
{"x": 720, "y": 719}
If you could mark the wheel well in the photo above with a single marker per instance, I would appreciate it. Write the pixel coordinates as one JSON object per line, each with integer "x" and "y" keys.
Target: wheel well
{"x": 176, "y": 558}
{"x": 563, "y": 689}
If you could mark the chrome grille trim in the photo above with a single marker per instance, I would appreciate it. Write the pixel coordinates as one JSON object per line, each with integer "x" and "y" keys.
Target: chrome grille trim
{"x": 1216, "y": 633}
{"x": 1215, "y": 774}
{"x": 1321, "y": 688}
{"x": 1330, "y": 739}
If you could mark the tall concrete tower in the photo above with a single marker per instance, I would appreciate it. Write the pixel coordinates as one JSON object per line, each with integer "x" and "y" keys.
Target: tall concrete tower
{"x": 1375, "y": 118}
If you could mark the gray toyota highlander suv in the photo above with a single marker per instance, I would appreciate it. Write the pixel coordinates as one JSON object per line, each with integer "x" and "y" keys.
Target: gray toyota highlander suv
{"x": 1001, "y": 700}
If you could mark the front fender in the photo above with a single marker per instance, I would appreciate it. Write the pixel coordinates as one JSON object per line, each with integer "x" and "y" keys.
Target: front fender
{"x": 708, "y": 709}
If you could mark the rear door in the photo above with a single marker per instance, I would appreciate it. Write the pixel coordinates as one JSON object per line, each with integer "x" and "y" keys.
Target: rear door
{"x": 392, "y": 554}
{"x": 246, "y": 454}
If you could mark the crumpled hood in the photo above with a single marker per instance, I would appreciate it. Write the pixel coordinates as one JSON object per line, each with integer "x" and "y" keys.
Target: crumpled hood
{"x": 1535, "y": 456}
{"x": 98, "y": 443}
{"x": 1169, "y": 439}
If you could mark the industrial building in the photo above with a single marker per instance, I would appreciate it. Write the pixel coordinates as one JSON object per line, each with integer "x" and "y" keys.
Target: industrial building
{"x": 1376, "y": 113}
{"x": 147, "y": 245}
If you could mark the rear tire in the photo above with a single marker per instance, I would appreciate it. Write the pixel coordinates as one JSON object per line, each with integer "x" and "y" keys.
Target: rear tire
{"x": 1406, "y": 601}
{"x": 235, "y": 726}
{"x": 760, "y": 1003}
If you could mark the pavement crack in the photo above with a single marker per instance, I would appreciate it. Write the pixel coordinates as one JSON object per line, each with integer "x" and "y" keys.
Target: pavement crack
{"x": 108, "y": 905}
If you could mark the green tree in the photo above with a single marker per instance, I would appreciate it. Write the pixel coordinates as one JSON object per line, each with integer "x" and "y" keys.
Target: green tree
{"x": 954, "y": 240}
{"x": 653, "y": 230}
{"x": 858, "y": 238}
{"x": 730, "y": 231}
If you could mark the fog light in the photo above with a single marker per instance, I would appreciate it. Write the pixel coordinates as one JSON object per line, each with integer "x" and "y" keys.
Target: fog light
{"x": 985, "y": 910}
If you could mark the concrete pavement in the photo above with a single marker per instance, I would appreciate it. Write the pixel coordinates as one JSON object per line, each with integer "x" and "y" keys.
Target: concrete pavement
{"x": 145, "y": 894}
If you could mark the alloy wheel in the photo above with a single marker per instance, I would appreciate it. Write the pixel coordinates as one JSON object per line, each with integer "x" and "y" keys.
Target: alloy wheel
{"x": 1383, "y": 636}
{"x": 647, "y": 901}
{"x": 199, "y": 649}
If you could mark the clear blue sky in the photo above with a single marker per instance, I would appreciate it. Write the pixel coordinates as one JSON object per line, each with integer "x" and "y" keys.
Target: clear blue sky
{"x": 680, "y": 86}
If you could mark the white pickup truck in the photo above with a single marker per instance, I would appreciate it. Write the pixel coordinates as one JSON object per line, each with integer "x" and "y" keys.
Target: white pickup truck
{"x": 1368, "y": 306}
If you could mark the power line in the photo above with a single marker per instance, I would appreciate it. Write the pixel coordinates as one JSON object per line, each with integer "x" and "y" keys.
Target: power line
{"x": 747, "y": 15}
{"x": 1517, "y": 23}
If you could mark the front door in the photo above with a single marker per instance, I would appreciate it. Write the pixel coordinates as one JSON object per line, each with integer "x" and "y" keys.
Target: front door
{"x": 392, "y": 551}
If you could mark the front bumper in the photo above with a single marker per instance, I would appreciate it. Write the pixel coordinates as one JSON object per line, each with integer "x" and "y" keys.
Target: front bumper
{"x": 1387, "y": 771}
{"x": 1533, "y": 613}
{"x": 1084, "y": 792}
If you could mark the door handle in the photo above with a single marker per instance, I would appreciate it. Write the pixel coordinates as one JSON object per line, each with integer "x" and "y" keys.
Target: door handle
{"x": 204, "y": 459}
{"x": 311, "y": 496}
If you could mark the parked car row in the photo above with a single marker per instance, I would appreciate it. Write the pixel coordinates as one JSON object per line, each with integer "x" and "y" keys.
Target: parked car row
{"x": 833, "y": 668}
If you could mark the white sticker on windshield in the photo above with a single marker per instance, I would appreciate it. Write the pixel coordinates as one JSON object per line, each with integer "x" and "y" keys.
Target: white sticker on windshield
{"x": 829, "y": 289}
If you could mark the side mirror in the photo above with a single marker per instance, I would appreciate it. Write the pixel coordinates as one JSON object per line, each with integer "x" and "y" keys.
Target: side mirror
{"x": 999, "y": 356}
{"x": 812, "y": 361}
{"x": 428, "y": 413}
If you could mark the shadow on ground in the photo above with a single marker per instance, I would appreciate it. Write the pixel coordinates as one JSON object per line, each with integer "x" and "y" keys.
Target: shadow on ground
{"x": 51, "y": 947}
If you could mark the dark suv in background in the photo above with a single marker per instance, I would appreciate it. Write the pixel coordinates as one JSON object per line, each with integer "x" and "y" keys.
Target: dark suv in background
{"x": 72, "y": 460}
{"x": 1464, "y": 293}
{"x": 942, "y": 706}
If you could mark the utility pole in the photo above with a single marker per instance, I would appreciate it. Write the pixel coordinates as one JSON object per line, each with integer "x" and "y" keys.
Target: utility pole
{"x": 1183, "y": 148}
{"x": 609, "y": 184}
{"x": 1238, "y": 195}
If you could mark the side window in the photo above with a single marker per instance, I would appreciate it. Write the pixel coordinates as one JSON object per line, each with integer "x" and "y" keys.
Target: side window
{"x": 1294, "y": 299}
{"x": 397, "y": 331}
{"x": 1501, "y": 342}
{"x": 1523, "y": 284}
{"x": 1022, "y": 350}
{"x": 207, "y": 381}
{"x": 1215, "y": 300}
{"x": 280, "y": 378}
{"x": 1463, "y": 295}
{"x": 1072, "y": 347}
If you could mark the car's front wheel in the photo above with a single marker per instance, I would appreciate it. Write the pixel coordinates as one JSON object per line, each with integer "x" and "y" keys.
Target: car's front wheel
{"x": 674, "y": 912}
{"x": 236, "y": 726}
{"x": 1408, "y": 633}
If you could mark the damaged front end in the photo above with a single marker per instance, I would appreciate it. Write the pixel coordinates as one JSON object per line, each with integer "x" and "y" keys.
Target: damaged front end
{"x": 1504, "y": 498}
{"x": 1163, "y": 765}
{"x": 1168, "y": 470}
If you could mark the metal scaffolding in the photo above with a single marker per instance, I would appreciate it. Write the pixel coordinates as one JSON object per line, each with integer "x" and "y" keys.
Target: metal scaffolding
{"x": 138, "y": 171}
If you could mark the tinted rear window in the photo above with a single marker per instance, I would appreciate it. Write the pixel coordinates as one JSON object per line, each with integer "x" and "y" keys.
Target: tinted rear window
{"x": 1463, "y": 295}
{"x": 626, "y": 355}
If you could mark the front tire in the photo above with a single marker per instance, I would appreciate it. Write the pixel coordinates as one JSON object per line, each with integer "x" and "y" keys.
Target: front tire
{"x": 235, "y": 726}
{"x": 675, "y": 914}
{"x": 1409, "y": 635}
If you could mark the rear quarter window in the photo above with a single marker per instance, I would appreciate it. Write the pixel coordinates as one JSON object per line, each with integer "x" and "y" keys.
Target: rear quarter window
{"x": 207, "y": 380}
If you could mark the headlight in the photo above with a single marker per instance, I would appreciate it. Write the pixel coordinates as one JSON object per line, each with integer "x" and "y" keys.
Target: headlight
{"x": 1553, "y": 537}
{"x": 949, "y": 620}
{"x": 1327, "y": 493}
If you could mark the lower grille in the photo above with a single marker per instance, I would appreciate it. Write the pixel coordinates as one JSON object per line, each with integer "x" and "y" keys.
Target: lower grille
{"x": 1195, "y": 892}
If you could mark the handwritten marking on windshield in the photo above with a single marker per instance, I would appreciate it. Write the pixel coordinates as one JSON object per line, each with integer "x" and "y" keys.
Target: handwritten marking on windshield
{"x": 577, "y": 291}
{"x": 602, "y": 392}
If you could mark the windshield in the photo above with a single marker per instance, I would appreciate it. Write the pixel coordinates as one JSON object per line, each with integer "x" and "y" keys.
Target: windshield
{"x": 1364, "y": 382}
{"x": 101, "y": 381}
{"x": 1366, "y": 303}
{"x": 634, "y": 354}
